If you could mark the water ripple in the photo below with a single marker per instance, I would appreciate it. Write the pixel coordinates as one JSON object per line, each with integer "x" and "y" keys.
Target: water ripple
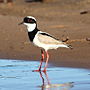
{"x": 18, "y": 75}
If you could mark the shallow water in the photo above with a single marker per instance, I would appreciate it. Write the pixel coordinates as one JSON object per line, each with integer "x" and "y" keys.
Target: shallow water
{"x": 18, "y": 75}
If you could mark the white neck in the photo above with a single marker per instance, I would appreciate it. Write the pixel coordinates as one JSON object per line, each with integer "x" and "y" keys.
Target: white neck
{"x": 30, "y": 27}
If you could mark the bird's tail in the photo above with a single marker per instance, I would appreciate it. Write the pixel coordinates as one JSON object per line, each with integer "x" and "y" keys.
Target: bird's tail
{"x": 69, "y": 46}
{"x": 66, "y": 45}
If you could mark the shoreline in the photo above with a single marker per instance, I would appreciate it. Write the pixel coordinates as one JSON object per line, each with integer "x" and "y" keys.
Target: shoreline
{"x": 58, "y": 64}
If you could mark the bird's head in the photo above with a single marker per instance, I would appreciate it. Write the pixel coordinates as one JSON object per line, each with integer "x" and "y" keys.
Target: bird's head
{"x": 30, "y": 22}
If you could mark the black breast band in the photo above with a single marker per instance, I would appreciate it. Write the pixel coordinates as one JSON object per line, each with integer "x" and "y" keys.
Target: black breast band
{"x": 32, "y": 34}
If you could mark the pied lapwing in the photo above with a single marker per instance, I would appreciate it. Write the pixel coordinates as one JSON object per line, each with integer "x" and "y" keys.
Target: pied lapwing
{"x": 42, "y": 39}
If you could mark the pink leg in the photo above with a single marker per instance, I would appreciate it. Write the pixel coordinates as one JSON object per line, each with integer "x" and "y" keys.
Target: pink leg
{"x": 47, "y": 55}
{"x": 39, "y": 69}
{"x": 42, "y": 52}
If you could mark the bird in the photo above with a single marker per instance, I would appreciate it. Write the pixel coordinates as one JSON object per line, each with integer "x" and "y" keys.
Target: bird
{"x": 43, "y": 40}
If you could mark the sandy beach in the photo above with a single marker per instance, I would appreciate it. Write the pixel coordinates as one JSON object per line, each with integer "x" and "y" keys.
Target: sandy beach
{"x": 58, "y": 18}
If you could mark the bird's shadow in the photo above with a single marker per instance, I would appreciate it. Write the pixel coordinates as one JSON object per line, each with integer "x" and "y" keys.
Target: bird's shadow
{"x": 46, "y": 83}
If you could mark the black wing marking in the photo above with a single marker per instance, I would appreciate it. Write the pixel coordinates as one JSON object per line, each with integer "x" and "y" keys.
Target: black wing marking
{"x": 48, "y": 35}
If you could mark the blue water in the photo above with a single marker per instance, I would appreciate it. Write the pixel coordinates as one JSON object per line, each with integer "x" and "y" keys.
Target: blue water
{"x": 18, "y": 75}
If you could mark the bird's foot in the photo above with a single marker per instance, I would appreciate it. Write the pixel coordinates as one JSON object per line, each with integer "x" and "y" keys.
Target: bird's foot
{"x": 36, "y": 70}
{"x": 44, "y": 70}
{"x": 39, "y": 70}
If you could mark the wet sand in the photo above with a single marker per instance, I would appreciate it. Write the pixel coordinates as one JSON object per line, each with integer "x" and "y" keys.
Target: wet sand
{"x": 18, "y": 75}
{"x": 57, "y": 18}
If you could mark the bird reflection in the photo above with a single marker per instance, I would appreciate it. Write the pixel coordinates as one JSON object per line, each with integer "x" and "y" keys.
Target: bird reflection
{"x": 46, "y": 84}
{"x": 45, "y": 80}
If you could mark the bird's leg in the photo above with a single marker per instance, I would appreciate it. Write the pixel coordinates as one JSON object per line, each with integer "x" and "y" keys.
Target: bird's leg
{"x": 42, "y": 58}
{"x": 42, "y": 53}
{"x": 47, "y": 56}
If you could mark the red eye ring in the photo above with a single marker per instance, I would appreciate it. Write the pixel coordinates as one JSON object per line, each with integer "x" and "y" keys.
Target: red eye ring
{"x": 30, "y": 20}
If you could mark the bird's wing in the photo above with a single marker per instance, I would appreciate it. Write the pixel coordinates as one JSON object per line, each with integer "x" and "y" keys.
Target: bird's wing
{"x": 48, "y": 39}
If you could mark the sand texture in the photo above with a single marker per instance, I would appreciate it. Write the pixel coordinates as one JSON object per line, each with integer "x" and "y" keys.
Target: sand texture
{"x": 60, "y": 18}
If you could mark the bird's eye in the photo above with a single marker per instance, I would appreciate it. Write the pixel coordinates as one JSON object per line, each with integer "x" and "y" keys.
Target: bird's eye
{"x": 30, "y": 20}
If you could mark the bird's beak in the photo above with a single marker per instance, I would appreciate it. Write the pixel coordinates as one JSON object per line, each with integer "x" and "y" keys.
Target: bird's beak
{"x": 21, "y": 23}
